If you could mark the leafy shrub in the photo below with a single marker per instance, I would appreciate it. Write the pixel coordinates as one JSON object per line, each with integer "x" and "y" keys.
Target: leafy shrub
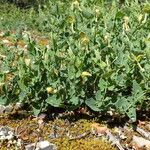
{"x": 99, "y": 55}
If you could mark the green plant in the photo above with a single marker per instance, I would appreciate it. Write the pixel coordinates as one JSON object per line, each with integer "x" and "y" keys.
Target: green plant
{"x": 98, "y": 56}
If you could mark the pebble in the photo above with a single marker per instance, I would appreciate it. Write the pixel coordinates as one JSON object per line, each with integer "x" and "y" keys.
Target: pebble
{"x": 6, "y": 133}
{"x": 18, "y": 105}
{"x": 5, "y": 41}
{"x": 2, "y": 109}
{"x": 8, "y": 109}
{"x": 42, "y": 145}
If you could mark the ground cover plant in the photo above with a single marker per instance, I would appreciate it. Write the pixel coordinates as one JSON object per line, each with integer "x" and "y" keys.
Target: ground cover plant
{"x": 98, "y": 56}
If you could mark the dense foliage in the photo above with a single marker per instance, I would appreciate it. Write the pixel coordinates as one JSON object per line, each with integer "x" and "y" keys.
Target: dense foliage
{"x": 99, "y": 56}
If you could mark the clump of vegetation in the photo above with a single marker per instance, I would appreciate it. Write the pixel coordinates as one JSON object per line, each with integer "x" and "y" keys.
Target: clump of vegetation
{"x": 98, "y": 56}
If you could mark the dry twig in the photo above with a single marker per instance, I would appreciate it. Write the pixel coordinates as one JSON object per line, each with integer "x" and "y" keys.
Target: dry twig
{"x": 143, "y": 133}
{"x": 80, "y": 136}
{"x": 114, "y": 140}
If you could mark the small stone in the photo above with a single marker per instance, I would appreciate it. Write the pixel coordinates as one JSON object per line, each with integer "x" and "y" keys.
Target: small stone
{"x": 30, "y": 146}
{"x": 6, "y": 133}
{"x": 2, "y": 33}
{"x": 14, "y": 142}
{"x": 42, "y": 116}
{"x": 2, "y": 109}
{"x": 9, "y": 137}
{"x": 18, "y": 106}
{"x": 148, "y": 126}
{"x": 140, "y": 143}
{"x": 19, "y": 142}
{"x": 5, "y": 41}
{"x": 45, "y": 145}
{"x": 8, "y": 109}
{"x": 42, "y": 145}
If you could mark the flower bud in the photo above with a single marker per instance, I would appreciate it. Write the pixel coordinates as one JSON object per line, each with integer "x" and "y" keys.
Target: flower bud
{"x": 51, "y": 90}
{"x": 86, "y": 74}
{"x": 76, "y": 4}
{"x": 97, "y": 12}
{"x": 126, "y": 19}
{"x": 27, "y": 61}
{"x": 140, "y": 18}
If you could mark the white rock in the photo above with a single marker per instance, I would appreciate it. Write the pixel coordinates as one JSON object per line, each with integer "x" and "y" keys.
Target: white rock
{"x": 5, "y": 41}
{"x": 30, "y": 146}
{"x": 140, "y": 143}
{"x": 19, "y": 142}
{"x": 2, "y": 109}
{"x": 2, "y": 137}
{"x": 2, "y": 33}
{"x": 42, "y": 145}
{"x": 8, "y": 108}
{"x": 18, "y": 105}
{"x": 10, "y": 136}
{"x": 6, "y": 133}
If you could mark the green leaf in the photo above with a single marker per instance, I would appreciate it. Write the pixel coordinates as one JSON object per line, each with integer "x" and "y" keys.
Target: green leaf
{"x": 92, "y": 104}
{"x": 74, "y": 100}
{"x": 102, "y": 84}
{"x": 54, "y": 101}
{"x": 36, "y": 111}
{"x": 137, "y": 91}
{"x": 146, "y": 8}
{"x": 87, "y": 13}
{"x": 36, "y": 108}
{"x": 98, "y": 95}
{"x": 21, "y": 84}
{"x": 99, "y": 98}
{"x": 120, "y": 15}
{"x": 122, "y": 104}
{"x": 22, "y": 95}
{"x": 102, "y": 64}
{"x": 127, "y": 106}
{"x": 132, "y": 113}
{"x": 136, "y": 87}
{"x": 71, "y": 72}
{"x": 3, "y": 101}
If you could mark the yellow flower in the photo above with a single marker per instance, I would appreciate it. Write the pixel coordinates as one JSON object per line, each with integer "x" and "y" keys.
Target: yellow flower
{"x": 86, "y": 74}
{"x": 97, "y": 12}
{"x": 126, "y": 19}
{"x": 76, "y": 4}
{"x": 140, "y": 18}
{"x": 84, "y": 38}
{"x": 126, "y": 24}
{"x": 27, "y": 61}
{"x": 85, "y": 41}
{"x": 51, "y": 90}
{"x": 71, "y": 19}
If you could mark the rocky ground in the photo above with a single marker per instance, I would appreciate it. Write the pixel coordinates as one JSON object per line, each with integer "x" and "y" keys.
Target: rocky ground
{"x": 70, "y": 131}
